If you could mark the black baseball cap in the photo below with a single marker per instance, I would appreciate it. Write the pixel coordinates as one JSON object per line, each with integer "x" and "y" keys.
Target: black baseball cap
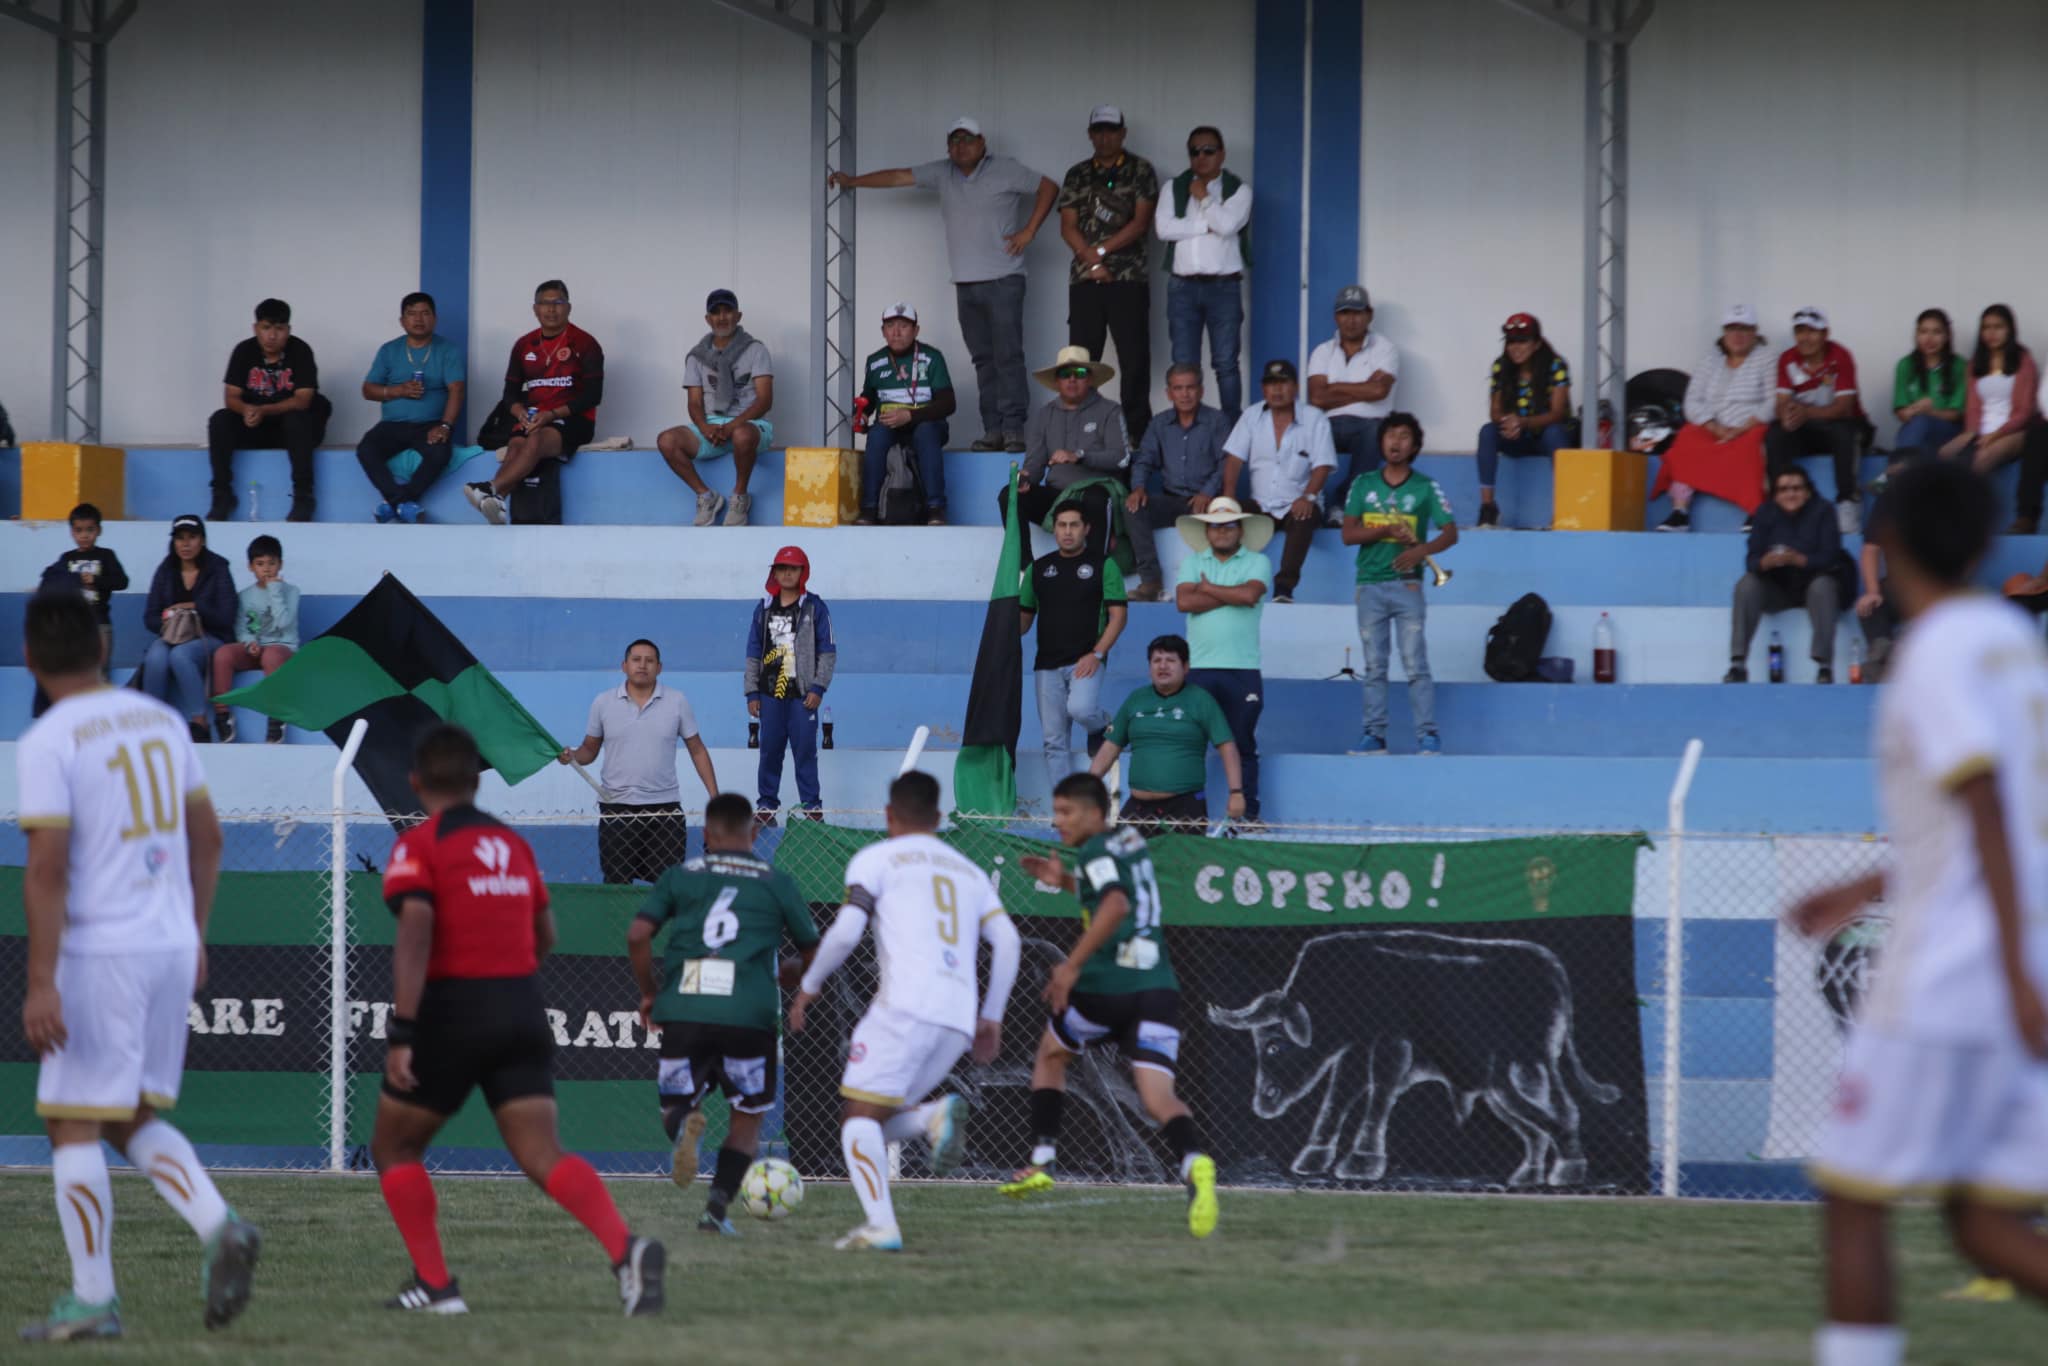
{"x": 721, "y": 298}
{"x": 1277, "y": 370}
{"x": 188, "y": 522}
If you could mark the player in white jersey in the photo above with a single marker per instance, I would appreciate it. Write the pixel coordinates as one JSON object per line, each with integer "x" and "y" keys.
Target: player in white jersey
{"x": 930, "y": 908}
{"x": 123, "y": 856}
{"x": 1944, "y": 1089}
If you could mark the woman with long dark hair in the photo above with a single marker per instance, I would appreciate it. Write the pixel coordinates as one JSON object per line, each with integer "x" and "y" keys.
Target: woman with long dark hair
{"x": 1530, "y": 410}
{"x": 2001, "y": 399}
{"x": 191, "y": 612}
{"x": 1930, "y": 388}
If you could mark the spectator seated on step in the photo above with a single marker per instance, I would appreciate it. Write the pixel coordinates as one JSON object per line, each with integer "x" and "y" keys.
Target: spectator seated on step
{"x": 1795, "y": 560}
{"x": 1182, "y": 454}
{"x": 1530, "y": 405}
{"x": 1819, "y": 412}
{"x": 909, "y": 394}
{"x": 1077, "y": 438}
{"x": 554, "y": 381}
{"x": 419, "y": 377}
{"x": 266, "y": 633}
{"x": 1728, "y": 401}
{"x": 1281, "y": 452}
{"x": 272, "y": 397}
{"x": 730, "y": 383}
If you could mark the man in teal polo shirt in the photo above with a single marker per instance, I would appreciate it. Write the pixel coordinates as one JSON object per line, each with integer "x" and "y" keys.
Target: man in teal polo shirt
{"x": 1222, "y": 588}
{"x": 1168, "y": 728}
{"x": 419, "y": 378}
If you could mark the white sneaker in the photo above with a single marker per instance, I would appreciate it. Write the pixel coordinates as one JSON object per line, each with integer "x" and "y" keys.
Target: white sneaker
{"x": 737, "y": 509}
{"x": 1849, "y": 516}
{"x": 486, "y": 500}
{"x": 948, "y": 1134}
{"x": 868, "y": 1238}
{"x": 709, "y": 505}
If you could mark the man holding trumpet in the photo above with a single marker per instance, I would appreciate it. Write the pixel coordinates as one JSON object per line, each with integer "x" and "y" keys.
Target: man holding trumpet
{"x": 1387, "y": 515}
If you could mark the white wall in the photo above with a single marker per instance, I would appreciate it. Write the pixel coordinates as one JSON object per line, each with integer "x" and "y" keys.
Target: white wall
{"x": 1875, "y": 157}
{"x": 28, "y": 83}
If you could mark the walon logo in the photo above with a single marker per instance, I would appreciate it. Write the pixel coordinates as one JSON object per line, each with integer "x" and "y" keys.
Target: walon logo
{"x": 495, "y": 855}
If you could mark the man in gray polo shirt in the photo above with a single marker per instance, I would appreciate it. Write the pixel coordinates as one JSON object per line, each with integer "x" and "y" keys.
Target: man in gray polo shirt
{"x": 641, "y": 830}
{"x": 982, "y": 202}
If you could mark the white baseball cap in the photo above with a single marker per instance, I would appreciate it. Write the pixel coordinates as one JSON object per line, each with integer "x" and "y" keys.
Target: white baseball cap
{"x": 1810, "y": 316}
{"x": 963, "y": 124}
{"x": 899, "y": 310}
{"x": 1739, "y": 315}
{"x": 1106, "y": 113}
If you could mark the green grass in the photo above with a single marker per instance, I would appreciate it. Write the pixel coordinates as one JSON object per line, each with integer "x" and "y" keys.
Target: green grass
{"x": 1084, "y": 1275}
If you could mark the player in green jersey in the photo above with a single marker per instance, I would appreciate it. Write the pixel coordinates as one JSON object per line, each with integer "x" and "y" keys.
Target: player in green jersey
{"x": 1115, "y": 984}
{"x": 718, "y": 1001}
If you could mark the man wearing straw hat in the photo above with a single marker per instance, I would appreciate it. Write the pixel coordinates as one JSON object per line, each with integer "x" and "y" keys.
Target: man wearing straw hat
{"x": 1222, "y": 588}
{"x": 1078, "y": 436}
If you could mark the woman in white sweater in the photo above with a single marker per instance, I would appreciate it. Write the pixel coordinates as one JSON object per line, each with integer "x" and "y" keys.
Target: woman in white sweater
{"x": 1728, "y": 405}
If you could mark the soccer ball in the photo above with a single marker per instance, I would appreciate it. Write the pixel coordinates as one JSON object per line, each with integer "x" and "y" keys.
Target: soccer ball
{"x": 771, "y": 1189}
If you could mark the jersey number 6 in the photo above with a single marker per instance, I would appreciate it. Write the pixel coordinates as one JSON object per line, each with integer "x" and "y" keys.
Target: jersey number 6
{"x": 721, "y": 926}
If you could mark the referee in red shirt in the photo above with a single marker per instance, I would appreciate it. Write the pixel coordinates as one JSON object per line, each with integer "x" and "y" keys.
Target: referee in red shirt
{"x": 473, "y": 924}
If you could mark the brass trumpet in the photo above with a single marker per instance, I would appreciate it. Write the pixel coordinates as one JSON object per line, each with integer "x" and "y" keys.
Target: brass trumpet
{"x": 1438, "y": 574}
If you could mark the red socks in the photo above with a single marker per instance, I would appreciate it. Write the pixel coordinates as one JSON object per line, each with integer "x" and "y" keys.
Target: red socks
{"x": 574, "y": 1185}
{"x": 410, "y": 1194}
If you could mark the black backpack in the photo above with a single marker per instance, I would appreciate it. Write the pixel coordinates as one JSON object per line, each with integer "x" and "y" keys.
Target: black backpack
{"x": 536, "y": 500}
{"x": 901, "y": 501}
{"x": 1516, "y": 641}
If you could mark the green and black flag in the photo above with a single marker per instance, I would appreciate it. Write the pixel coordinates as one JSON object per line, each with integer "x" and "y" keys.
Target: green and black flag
{"x": 985, "y": 775}
{"x": 392, "y": 662}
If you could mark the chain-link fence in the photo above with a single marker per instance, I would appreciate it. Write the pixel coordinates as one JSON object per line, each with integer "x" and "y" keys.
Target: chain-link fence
{"x": 1364, "y": 1008}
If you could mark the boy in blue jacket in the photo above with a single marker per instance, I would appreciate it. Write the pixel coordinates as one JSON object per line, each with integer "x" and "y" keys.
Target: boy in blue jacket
{"x": 790, "y": 659}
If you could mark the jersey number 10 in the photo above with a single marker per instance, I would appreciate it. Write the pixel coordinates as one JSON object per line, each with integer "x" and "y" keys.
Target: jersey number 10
{"x": 163, "y": 790}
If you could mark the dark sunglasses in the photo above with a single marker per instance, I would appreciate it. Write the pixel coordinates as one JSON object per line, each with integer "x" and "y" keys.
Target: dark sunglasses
{"x": 1207, "y": 150}
{"x": 1072, "y": 372}
{"x": 1790, "y": 486}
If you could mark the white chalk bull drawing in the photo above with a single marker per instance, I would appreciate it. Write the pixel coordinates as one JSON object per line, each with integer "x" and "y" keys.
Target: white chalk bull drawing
{"x": 1490, "y": 1019}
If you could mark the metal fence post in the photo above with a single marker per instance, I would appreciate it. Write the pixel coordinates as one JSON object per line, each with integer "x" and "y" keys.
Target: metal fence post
{"x": 1674, "y": 964}
{"x": 337, "y": 1044}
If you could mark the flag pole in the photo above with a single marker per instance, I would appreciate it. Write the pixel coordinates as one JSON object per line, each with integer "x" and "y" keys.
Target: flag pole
{"x": 595, "y": 785}
{"x": 337, "y": 955}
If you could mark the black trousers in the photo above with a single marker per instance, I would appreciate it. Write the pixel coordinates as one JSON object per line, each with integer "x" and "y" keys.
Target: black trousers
{"x": 640, "y": 843}
{"x": 300, "y": 433}
{"x": 1186, "y": 813}
{"x": 2033, "y": 469}
{"x": 387, "y": 439}
{"x": 1119, "y": 311}
{"x": 1840, "y": 437}
{"x": 1299, "y": 533}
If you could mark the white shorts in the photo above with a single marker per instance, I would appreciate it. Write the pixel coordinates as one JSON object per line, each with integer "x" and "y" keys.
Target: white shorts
{"x": 125, "y": 1021}
{"x": 1915, "y": 1118}
{"x": 898, "y": 1059}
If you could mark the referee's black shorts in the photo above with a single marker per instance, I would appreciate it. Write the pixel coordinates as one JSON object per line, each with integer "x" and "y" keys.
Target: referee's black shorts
{"x": 479, "y": 1031}
{"x": 640, "y": 843}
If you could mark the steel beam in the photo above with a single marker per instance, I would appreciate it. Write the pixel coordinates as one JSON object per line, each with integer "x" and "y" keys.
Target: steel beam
{"x": 80, "y": 227}
{"x": 834, "y": 108}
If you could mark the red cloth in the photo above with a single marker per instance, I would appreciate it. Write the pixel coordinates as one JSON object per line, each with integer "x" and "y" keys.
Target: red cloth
{"x": 410, "y": 1195}
{"x": 486, "y": 889}
{"x": 574, "y": 1185}
{"x": 1731, "y": 469}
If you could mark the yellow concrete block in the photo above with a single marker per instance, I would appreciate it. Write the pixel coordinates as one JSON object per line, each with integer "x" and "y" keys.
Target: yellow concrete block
{"x": 1599, "y": 490}
{"x": 820, "y": 486}
{"x": 56, "y": 476}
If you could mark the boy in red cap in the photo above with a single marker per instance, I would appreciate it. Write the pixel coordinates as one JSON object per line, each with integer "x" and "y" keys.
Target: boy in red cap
{"x": 790, "y": 658}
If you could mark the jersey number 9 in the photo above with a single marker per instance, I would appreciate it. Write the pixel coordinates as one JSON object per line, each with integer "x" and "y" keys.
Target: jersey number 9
{"x": 947, "y": 898}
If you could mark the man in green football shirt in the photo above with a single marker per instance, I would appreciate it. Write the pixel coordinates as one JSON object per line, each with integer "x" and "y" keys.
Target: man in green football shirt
{"x": 1387, "y": 515}
{"x": 1168, "y": 727}
{"x": 718, "y": 1003}
{"x": 910, "y": 395}
{"x": 1116, "y": 984}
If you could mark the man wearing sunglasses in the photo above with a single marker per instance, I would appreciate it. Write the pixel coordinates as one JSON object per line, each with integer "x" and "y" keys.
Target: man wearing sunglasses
{"x": 1205, "y": 224}
{"x": 1076, "y": 437}
{"x": 992, "y": 207}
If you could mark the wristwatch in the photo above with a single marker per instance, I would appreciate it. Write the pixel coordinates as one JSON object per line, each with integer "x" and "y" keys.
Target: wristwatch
{"x": 1101, "y": 252}
{"x": 1100, "y": 658}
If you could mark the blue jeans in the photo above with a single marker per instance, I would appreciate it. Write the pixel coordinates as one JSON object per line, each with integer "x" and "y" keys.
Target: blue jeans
{"x": 927, "y": 441}
{"x": 1064, "y": 702}
{"x": 1242, "y": 695}
{"x": 786, "y": 719}
{"x": 1924, "y": 435}
{"x": 1492, "y": 446}
{"x": 1359, "y": 439}
{"x": 1195, "y": 302}
{"x": 1380, "y": 604}
{"x": 181, "y": 669}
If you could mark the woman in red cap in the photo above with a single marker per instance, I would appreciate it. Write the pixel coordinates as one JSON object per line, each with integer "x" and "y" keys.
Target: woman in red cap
{"x": 1530, "y": 412}
{"x": 790, "y": 658}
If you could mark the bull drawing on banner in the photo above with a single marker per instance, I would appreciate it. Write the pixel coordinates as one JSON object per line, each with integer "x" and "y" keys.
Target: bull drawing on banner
{"x": 1489, "y": 1019}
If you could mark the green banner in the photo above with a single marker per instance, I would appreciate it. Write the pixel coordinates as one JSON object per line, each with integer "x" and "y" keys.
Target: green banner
{"x": 1218, "y": 882}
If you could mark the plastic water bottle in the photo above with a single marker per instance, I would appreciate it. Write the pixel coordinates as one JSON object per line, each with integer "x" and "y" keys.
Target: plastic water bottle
{"x": 1856, "y": 659}
{"x": 255, "y": 501}
{"x": 753, "y": 735}
{"x": 828, "y": 728}
{"x": 1777, "y": 658}
{"x": 1603, "y": 650}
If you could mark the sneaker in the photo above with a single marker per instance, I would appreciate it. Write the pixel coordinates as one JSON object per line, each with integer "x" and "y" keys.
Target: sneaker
{"x": 867, "y": 518}
{"x": 1368, "y": 744}
{"x": 948, "y": 1133}
{"x": 224, "y": 726}
{"x": 1982, "y": 1290}
{"x": 1026, "y": 1181}
{"x": 1677, "y": 521}
{"x": 709, "y": 505}
{"x": 1737, "y": 673}
{"x": 384, "y": 512}
{"x": 71, "y": 1319}
{"x": 408, "y": 512}
{"x": 1489, "y": 515}
{"x": 273, "y": 732}
{"x": 682, "y": 1163}
{"x": 1824, "y": 674}
{"x": 1849, "y": 515}
{"x": 708, "y": 1222}
{"x": 1429, "y": 744}
{"x": 416, "y": 1294}
{"x": 485, "y": 499}
{"x": 201, "y": 735}
{"x": 640, "y": 1277}
{"x": 229, "y": 1271}
{"x": 1144, "y": 592}
{"x": 302, "y": 510}
{"x": 935, "y": 517}
{"x": 1013, "y": 442}
{"x": 988, "y": 441}
{"x": 1283, "y": 597}
{"x": 223, "y": 508}
{"x": 868, "y": 1238}
{"x": 2023, "y": 525}
{"x": 1749, "y": 524}
{"x": 1202, "y": 1195}
{"x": 737, "y": 509}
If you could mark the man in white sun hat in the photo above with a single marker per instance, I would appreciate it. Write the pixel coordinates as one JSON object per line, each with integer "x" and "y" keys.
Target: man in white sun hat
{"x": 1222, "y": 587}
{"x": 1076, "y": 437}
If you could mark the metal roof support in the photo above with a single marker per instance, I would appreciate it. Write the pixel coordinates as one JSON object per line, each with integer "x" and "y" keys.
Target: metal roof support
{"x": 834, "y": 107}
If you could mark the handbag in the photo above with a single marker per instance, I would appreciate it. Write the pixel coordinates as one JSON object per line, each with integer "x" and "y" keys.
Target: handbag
{"x": 181, "y": 627}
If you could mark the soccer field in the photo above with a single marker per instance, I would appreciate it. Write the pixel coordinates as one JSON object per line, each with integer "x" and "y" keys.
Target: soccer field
{"x": 1086, "y": 1274}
